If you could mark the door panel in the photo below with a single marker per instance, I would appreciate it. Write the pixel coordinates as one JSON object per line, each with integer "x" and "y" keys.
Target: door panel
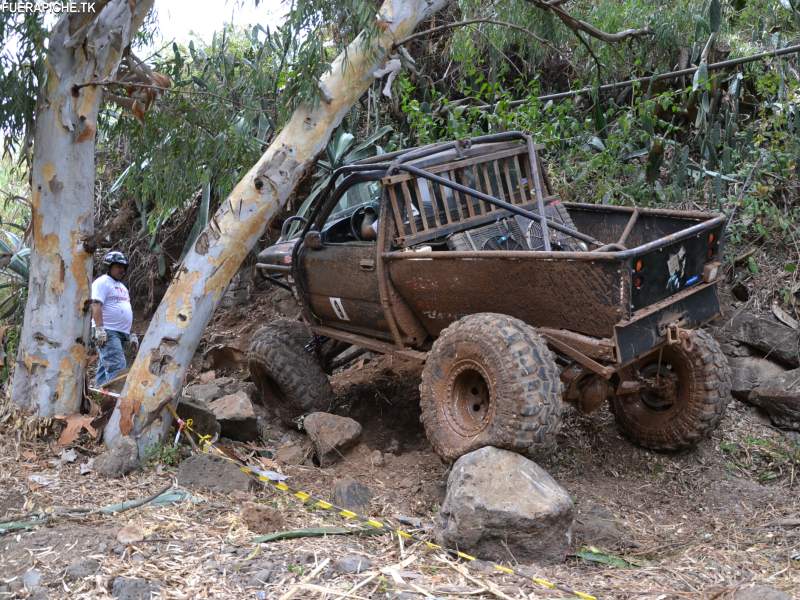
{"x": 342, "y": 285}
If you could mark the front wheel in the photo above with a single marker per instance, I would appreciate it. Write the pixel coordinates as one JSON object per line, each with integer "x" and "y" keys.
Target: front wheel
{"x": 490, "y": 380}
{"x": 682, "y": 392}
{"x": 288, "y": 376}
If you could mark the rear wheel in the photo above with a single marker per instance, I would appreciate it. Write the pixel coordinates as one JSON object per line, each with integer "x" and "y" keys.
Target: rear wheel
{"x": 682, "y": 395}
{"x": 288, "y": 377}
{"x": 490, "y": 380}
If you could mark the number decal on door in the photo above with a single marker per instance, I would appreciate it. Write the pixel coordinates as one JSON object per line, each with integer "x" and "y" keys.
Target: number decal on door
{"x": 336, "y": 303}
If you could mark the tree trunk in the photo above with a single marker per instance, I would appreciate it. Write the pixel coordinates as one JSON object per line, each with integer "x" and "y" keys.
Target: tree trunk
{"x": 157, "y": 374}
{"x": 51, "y": 361}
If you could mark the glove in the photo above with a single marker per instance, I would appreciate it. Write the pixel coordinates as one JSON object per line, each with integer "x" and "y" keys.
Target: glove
{"x": 134, "y": 342}
{"x": 100, "y": 337}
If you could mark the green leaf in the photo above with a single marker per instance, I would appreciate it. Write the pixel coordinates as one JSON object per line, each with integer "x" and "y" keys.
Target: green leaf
{"x": 200, "y": 222}
{"x": 790, "y": 267}
{"x": 752, "y": 265}
{"x": 592, "y": 554}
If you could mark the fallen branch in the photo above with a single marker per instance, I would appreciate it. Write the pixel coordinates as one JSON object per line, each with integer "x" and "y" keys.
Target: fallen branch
{"x": 447, "y": 26}
{"x": 316, "y": 532}
{"x": 577, "y": 25}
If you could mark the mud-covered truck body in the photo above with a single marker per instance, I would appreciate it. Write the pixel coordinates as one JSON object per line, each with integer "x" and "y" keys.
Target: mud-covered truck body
{"x": 460, "y": 255}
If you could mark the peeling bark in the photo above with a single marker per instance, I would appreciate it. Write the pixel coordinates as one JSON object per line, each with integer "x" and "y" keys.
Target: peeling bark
{"x": 219, "y": 251}
{"x": 51, "y": 360}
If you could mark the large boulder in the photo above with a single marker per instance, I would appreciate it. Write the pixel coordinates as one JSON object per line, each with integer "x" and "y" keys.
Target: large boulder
{"x": 502, "y": 506}
{"x": 780, "y": 399}
{"x": 773, "y": 339}
{"x": 331, "y": 435}
{"x": 236, "y": 416}
{"x": 750, "y": 372}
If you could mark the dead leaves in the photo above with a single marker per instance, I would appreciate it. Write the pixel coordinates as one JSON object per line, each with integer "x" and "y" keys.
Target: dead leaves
{"x": 75, "y": 424}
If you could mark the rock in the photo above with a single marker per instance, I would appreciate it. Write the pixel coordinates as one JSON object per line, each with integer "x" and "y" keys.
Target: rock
{"x": 130, "y": 534}
{"x": 760, "y": 592}
{"x": 501, "y": 505}
{"x": 203, "y": 420}
{"x": 133, "y": 588}
{"x": 264, "y": 574}
{"x": 352, "y": 563}
{"x": 203, "y": 471}
{"x": 236, "y": 417}
{"x": 31, "y": 579}
{"x": 203, "y": 393}
{"x": 749, "y": 372}
{"x": 777, "y": 341}
{"x": 376, "y": 458}
{"x": 780, "y": 399}
{"x": 261, "y": 518}
{"x": 293, "y": 453}
{"x": 224, "y": 357}
{"x": 119, "y": 460}
{"x": 597, "y": 526}
{"x": 331, "y": 435}
{"x": 39, "y": 593}
{"x": 349, "y": 493}
{"x": 207, "y": 376}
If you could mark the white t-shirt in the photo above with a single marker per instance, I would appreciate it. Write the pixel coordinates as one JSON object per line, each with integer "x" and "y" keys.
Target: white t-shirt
{"x": 117, "y": 311}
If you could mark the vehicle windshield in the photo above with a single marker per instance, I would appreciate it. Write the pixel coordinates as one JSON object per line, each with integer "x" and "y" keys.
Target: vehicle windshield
{"x": 359, "y": 194}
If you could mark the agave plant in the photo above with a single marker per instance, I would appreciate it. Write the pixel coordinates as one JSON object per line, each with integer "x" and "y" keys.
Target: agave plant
{"x": 14, "y": 272}
{"x": 341, "y": 150}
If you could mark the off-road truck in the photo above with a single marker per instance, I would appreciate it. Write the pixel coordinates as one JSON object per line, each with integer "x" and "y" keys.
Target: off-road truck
{"x": 459, "y": 255}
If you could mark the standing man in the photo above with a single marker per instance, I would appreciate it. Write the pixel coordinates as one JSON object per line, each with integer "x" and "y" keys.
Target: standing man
{"x": 112, "y": 317}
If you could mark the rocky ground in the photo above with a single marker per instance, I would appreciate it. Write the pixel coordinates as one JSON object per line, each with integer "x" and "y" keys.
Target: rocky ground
{"x": 722, "y": 521}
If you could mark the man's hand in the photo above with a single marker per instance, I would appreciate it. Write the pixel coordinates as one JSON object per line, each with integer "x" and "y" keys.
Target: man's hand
{"x": 100, "y": 337}
{"x": 134, "y": 342}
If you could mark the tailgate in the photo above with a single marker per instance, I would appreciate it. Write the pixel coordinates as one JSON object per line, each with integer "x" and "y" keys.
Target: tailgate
{"x": 647, "y": 329}
{"x": 675, "y": 263}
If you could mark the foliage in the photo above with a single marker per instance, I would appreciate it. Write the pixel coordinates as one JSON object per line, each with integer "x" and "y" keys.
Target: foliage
{"x": 163, "y": 454}
{"x": 14, "y": 273}
{"x": 340, "y": 150}
{"x": 765, "y": 458}
{"x": 694, "y": 144}
{"x": 21, "y": 72}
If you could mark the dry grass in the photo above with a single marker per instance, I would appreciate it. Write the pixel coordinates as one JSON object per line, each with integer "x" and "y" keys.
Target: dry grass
{"x": 698, "y": 525}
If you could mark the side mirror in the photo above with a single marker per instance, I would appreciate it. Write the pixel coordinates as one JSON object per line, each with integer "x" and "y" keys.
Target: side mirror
{"x": 313, "y": 240}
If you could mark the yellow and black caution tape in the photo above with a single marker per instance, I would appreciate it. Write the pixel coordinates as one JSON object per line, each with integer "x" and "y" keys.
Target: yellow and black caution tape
{"x": 310, "y": 500}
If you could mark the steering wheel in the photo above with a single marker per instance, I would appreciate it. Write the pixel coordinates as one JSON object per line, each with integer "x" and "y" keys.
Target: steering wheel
{"x": 355, "y": 224}
{"x": 289, "y": 221}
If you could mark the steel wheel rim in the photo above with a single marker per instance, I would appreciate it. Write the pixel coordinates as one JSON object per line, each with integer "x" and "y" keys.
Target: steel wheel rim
{"x": 470, "y": 407}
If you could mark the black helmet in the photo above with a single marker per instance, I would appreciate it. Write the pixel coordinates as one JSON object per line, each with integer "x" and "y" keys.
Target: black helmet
{"x": 115, "y": 258}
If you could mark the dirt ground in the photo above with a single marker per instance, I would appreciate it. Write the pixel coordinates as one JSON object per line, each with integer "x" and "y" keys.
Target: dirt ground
{"x": 699, "y": 524}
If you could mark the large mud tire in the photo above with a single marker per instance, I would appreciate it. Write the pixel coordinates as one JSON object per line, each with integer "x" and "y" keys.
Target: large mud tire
{"x": 703, "y": 381}
{"x": 288, "y": 377}
{"x": 490, "y": 380}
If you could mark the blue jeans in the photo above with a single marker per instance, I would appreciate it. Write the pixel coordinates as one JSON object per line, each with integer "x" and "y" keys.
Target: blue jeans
{"x": 112, "y": 357}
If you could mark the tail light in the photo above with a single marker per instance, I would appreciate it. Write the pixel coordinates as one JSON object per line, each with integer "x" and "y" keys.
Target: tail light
{"x": 712, "y": 245}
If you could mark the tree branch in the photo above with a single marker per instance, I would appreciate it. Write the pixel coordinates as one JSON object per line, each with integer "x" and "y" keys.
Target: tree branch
{"x": 578, "y": 25}
{"x": 472, "y": 22}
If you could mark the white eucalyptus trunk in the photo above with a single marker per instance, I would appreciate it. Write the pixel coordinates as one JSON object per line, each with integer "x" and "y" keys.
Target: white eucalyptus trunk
{"x": 158, "y": 372}
{"x": 51, "y": 361}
